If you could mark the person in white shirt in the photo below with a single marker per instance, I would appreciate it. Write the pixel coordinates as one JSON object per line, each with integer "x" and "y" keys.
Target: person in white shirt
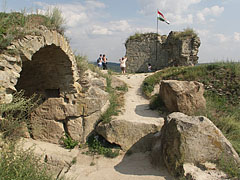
{"x": 123, "y": 64}
{"x": 99, "y": 61}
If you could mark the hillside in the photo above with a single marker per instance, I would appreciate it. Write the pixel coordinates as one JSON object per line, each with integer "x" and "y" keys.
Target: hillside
{"x": 222, "y": 84}
{"x": 16, "y": 25}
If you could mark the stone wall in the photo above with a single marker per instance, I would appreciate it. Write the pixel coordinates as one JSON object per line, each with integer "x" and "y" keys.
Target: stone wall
{"x": 176, "y": 49}
{"x": 43, "y": 63}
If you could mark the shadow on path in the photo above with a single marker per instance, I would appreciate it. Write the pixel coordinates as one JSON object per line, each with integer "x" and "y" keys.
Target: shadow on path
{"x": 137, "y": 161}
{"x": 144, "y": 111}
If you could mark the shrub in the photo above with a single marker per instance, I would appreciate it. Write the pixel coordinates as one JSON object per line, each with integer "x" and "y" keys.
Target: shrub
{"x": 186, "y": 33}
{"x": 96, "y": 147}
{"x": 55, "y": 19}
{"x": 68, "y": 142}
{"x": 15, "y": 114}
{"x": 82, "y": 63}
{"x": 19, "y": 164}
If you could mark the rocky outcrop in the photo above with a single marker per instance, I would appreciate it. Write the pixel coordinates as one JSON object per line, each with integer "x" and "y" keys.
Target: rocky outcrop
{"x": 54, "y": 117}
{"x": 189, "y": 139}
{"x": 130, "y": 135}
{"x": 176, "y": 49}
{"x": 44, "y": 64}
{"x": 182, "y": 96}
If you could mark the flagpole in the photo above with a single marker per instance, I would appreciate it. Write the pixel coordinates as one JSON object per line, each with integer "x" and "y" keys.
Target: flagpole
{"x": 156, "y": 41}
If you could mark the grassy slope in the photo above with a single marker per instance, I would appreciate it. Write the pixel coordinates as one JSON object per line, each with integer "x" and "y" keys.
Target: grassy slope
{"x": 222, "y": 93}
{"x": 16, "y": 25}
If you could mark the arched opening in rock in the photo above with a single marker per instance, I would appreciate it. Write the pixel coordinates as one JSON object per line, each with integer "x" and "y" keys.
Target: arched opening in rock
{"x": 49, "y": 73}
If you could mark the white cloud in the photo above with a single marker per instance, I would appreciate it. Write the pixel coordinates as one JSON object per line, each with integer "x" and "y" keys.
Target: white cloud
{"x": 120, "y": 26}
{"x": 212, "y": 11}
{"x": 180, "y": 19}
{"x": 200, "y": 16}
{"x": 100, "y": 30}
{"x": 236, "y": 36}
{"x": 170, "y": 6}
{"x": 94, "y": 4}
{"x": 221, "y": 37}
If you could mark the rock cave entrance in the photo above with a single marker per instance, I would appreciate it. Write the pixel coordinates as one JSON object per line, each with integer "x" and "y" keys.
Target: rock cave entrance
{"x": 49, "y": 73}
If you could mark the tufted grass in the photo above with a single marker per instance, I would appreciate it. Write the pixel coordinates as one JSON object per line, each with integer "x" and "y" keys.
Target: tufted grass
{"x": 19, "y": 164}
{"x": 16, "y": 114}
{"x": 222, "y": 83}
{"x": 16, "y": 25}
{"x": 15, "y": 162}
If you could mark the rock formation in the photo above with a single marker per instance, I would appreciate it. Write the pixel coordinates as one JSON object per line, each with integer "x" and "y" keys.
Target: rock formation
{"x": 182, "y": 96}
{"x": 127, "y": 134}
{"x": 188, "y": 139}
{"x": 176, "y": 49}
{"x": 45, "y": 64}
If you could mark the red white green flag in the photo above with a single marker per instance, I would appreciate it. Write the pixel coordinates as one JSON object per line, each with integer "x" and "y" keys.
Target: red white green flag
{"x": 162, "y": 18}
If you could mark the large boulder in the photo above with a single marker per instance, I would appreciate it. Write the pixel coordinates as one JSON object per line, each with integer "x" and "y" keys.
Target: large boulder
{"x": 182, "y": 96}
{"x": 190, "y": 139}
{"x": 130, "y": 135}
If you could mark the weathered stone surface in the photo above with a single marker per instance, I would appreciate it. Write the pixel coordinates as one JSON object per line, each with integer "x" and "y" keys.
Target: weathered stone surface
{"x": 189, "y": 139}
{"x": 75, "y": 128}
{"x": 172, "y": 50}
{"x": 116, "y": 83}
{"x": 45, "y": 61}
{"x": 128, "y": 134}
{"x": 46, "y": 65}
{"x": 193, "y": 172}
{"x": 183, "y": 96}
{"x": 46, "y": 130}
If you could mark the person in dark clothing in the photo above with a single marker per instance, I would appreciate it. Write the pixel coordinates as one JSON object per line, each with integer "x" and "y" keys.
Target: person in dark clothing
{"x": 104, "y": 62}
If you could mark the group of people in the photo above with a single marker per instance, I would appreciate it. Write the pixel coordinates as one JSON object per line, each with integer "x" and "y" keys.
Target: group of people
{"x": 102, "y": 61}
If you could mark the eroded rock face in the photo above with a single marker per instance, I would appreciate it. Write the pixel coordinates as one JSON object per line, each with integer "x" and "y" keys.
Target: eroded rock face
{"x": 189, "y": 139}
{"x": 46, "y": 65}
{"x": 55, "y": 117}
{"x": 172, "y": 50}
{"x": 134, "y": 136}
{"x": 182, "y": 96}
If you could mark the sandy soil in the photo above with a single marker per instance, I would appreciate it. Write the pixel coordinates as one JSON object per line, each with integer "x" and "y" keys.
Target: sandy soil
{"x": 124, "y": 167}
{"x": 136, "y": 107}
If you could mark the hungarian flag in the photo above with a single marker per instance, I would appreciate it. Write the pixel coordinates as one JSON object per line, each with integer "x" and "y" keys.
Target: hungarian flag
{"x": 162, "y": 18}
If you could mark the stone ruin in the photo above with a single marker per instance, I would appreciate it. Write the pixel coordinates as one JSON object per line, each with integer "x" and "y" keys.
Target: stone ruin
{"x": 176, "y": 49}
{"x": 45, "y": 64}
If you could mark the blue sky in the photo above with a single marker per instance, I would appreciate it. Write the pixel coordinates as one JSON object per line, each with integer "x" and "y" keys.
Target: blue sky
{"x": 102, "y": 26}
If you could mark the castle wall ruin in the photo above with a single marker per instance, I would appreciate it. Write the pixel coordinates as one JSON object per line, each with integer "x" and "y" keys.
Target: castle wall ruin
{"x": 176, "y": 49}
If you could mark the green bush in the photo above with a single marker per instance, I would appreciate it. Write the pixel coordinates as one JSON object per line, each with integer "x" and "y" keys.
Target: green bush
{"x": 96, "y": 147}
{"x": 19, "y": 164}
{"x": 186, "y": 33}
{"x": 16, "y": 25}
{"x": 16, "y": 114}
{"x": 55, "y": 19}
{"x": 68, "y": 142}
{"x": 82, "y": 63}
{"x": 229, "y": 166}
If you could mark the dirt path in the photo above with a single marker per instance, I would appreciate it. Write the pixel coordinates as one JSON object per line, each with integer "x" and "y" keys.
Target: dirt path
{"x": 136, "y": 107}
{"x": 124, "y": 167}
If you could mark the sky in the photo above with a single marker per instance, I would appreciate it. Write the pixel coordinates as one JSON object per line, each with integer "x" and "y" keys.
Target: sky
{"x": 103, "y": 26}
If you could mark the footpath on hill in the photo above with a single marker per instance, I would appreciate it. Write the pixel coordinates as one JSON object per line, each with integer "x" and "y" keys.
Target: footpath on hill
{"x": 136, "y": 107}
{"x": 136, "y": 166}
